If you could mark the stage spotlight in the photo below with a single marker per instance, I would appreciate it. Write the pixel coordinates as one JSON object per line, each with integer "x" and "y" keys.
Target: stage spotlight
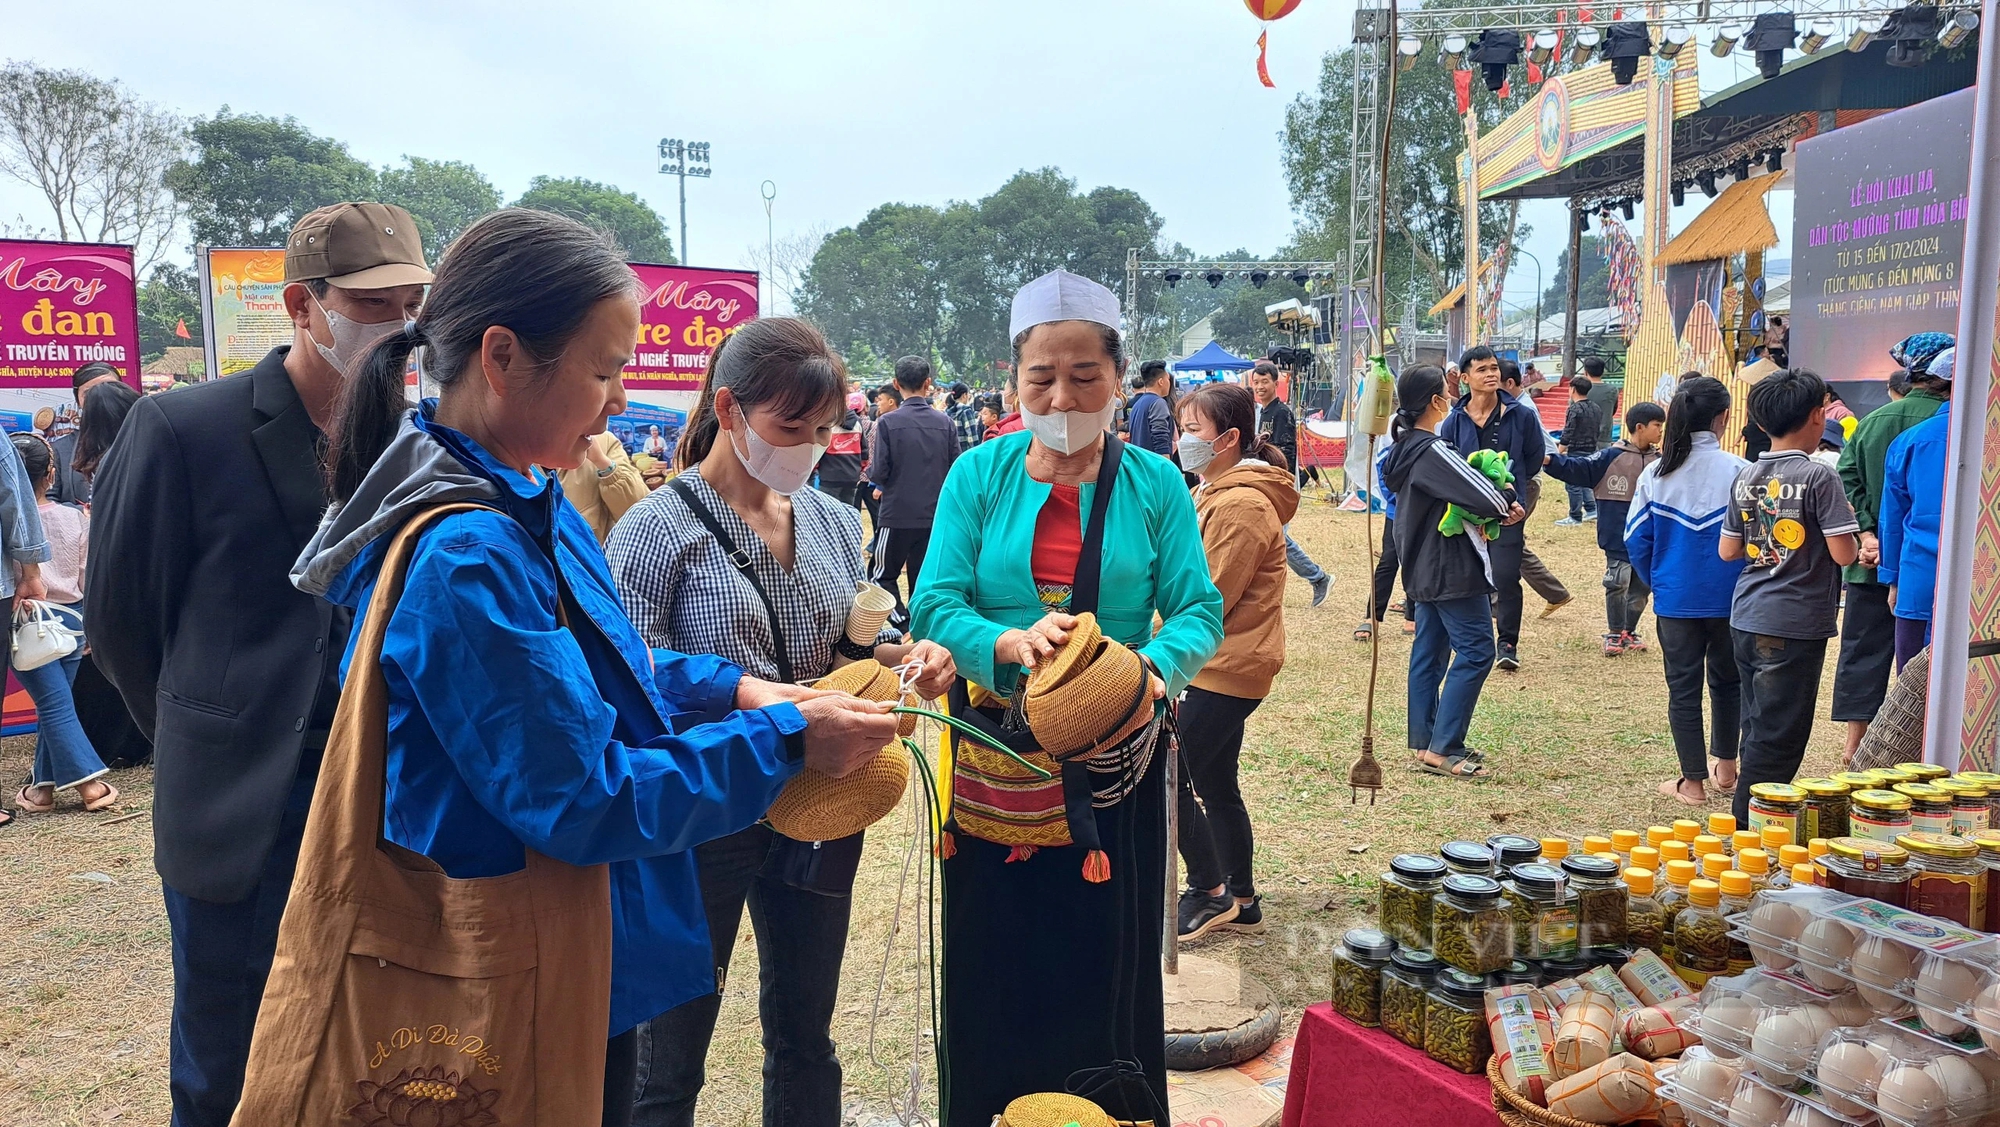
{"x": 1582, "y": 44}
{"x": 1706, "y": 180}
{"x": 1680, "y": 193}
{"x": 1626, "y": 44}
{"x": 1213, "y": 278}
{"x": 1672, "y": 41}
{"x": 1451, "y": 52}
{"x": 1496, "y": 50}
{"x": 1300, "y": 278}
{"x": 1775, "y": 160}
{"x": 1771, "y": 35}
{"x": 1725, "y": 40}
{"x": 1544, "y": 48}
{"x": 1818, "y": 33}
{"x": 1958, "y": 27}
{"x": 1911, "y": 31}
{"x": 1583, "y": 221}
{"x": 1865, "y": 32}
{"x": 1626, "y": 207}
{"x": 1259, "y": 277}
{"x": 1407, "y": 50}
{"x": 1173, "y": 278}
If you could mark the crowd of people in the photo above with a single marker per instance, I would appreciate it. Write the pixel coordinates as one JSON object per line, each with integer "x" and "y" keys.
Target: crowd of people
{"x": 568, "y": 668}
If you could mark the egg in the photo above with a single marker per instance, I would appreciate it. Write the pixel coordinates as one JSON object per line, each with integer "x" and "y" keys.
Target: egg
{"x": 1882, "y": 966}
{"x": 1779, "y": 925}
{"x": 1756, "y": 1106}
{"x": 1965, "y": 1090}
{"x": 1823, "y": 946}
{"x": 1710, "y": 1080}
{"x": 1849, "y": 1010}
{"x": 1853, "y": 1068}
{"x": 1725, "y": 1024}
{"x": 1942, "y": 986}
{"x": 1986, "y": 1011}
{"x": 1819, "y": 1018}
{"x": 1910, "y": 1093}
{"x": 1783, "y": 1043}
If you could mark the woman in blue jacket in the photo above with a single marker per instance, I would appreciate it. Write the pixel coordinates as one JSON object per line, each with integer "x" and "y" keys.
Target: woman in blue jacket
{"x": 1912, "y": 512}
{"x": 524, "y": 710}
{"x": 1671, "y": 535}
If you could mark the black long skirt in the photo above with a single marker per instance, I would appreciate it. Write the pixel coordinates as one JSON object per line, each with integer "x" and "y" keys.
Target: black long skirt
{"x": 1049, "y": 980}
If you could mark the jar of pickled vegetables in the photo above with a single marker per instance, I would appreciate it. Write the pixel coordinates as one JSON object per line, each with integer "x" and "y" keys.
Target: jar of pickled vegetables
{"x": 1404, "y": 898}
{"x": 1405, "y": 983}
{"x": 1990, "y": 782}
{"x": 1510, "y": 850}
{"x": 1358, "y": 962}
{"x": 1455, "y": 1033}
{"x": 1472, "y": 926}
{"x": 1970, "y": 812}
{"x": 1468, "y": 857}
{"x": 1946, "y": 878}
{"x": 1672, "y": 896}
{"x": 1645, "y": 918}
{"x": 1777, "y": 804}
{"x": 1930, "y": 808}
{"x": 1757, "y": 864}
{"x": 1880, "y": 815}
{"x": 1701, "y": 935}
{"x": 1856, "y": 780}
{"x": 1989, "y": 858}
{"x": 1735, "y": 893}
{"x": 1825, "y": 811}
{"x": 1544, "y": 912}
{"x": 1924, "y": 772}
{"x": 1600, "y": 900}
{"x": 1860, "y": 866}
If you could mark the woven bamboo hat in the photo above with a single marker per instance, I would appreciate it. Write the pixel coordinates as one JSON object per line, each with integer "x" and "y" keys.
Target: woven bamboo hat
{"x": 1089, "y": 694}
{"x": 818, "y": 807}
{"x": 1054, "y": 1109}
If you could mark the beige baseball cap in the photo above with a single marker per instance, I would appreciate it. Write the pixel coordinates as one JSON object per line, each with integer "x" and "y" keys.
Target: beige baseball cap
{"x": 357, "y": 246}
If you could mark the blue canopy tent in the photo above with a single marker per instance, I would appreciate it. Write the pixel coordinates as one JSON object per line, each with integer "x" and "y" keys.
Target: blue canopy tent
{"x": 1213, "y": 358}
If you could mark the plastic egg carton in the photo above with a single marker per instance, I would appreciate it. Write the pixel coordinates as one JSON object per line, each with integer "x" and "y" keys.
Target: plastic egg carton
{"x": 1711, "y": 1097}
{"x": 1900, "y": 963}
{"x": 1908, "y": 1081}
{"x": 1772, "y": 1020}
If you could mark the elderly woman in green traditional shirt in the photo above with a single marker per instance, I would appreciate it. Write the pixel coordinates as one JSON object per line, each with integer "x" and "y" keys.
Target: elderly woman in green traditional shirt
{"x": 1053, "y": 908}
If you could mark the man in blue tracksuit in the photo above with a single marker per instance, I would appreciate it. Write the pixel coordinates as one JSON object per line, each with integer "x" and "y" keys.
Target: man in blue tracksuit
{"x": 1487, "y": 418}
{"x": 1150, "y": 420}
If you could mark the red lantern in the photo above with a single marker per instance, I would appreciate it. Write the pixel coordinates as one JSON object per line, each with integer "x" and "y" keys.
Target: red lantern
{"x": 1271, "y": 9}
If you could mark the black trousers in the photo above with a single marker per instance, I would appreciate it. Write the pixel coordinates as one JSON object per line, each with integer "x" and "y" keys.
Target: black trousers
{"x": 1506, "y": 556}
{"x": 1780, "y": 691}
{"x": 1383, "y": 584}
{"x": 1215, "y": 836}
{"x": 621, "y": 1063}
{"x": 897, "y": 551}
{"x": 1867, "y": 651}
{"x": 1694, "y": 650}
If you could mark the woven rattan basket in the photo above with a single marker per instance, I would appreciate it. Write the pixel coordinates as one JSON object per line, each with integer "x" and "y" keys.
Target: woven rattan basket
{"x": 1089, "y": 695}
{"x": 1516, "y": 1110}
{"x": 818, "y": 807}
{"x": 1054, "y": 1109}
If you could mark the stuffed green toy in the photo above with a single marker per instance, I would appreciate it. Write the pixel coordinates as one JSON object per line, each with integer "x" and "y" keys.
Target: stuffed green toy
{"x": 1493, "y": 464}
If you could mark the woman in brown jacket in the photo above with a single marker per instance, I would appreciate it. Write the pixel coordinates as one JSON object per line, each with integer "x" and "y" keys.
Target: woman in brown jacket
{"x": 1243, "y": 503}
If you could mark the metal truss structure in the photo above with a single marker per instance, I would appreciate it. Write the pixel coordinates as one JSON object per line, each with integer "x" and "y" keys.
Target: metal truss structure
{"x": 1424, "y": 22}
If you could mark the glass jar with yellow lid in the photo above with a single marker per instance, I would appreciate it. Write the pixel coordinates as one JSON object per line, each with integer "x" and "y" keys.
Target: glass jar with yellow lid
{"x": 1855, "y": 780}
{"x": 1930, "y": 808}
{"x": 1672, "y": 896}
{"x": 1925, "y": 772}
{"x": 1776, "y": 804}
{"x": 1859, "y": 866}
{"x": 1971, "y": 810}
{"x": 1825, "y": 811}
{"x": 1886, "y": 777}
{"x": 1879, "y": 815}
{"x": 1988, "y": 842}
{"x": 1991, "y": 781}
{"x": 1946, "y": 878}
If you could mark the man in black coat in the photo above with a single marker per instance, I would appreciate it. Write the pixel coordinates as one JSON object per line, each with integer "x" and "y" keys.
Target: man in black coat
{"x": 202, "y": 506}
{"x": 1277, "y": 426}
{"x": 915, "y": 445}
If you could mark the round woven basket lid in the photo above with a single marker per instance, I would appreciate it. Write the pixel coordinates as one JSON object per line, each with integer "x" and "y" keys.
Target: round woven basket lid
{"x": 1054, "y": 1109}
{"x": 818, "y": 807}
{"x": 1089, "y": 695}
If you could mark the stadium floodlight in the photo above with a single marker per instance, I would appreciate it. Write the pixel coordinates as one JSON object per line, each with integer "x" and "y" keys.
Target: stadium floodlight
{"x": 1544, "y": 48}
{"x": 1583, "y": 43}
{"x": 1725, "y": 40}
{"x": 1672, "y": 41}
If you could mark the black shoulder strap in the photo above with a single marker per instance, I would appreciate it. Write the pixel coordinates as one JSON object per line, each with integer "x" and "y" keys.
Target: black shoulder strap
{"x": 1090, "y": 563}
{"x": 740, "y": 560}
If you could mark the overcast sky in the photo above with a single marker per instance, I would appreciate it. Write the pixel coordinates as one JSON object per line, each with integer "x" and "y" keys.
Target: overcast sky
{"x": 843, "y": 104}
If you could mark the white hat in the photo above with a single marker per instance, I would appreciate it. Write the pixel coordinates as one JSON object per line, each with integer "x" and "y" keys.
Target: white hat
{"x": 1944, "y": 365}
{"x": 1062, "y": 296}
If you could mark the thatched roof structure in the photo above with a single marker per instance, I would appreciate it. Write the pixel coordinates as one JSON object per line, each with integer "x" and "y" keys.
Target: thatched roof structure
{"x": 1737, "y": 222}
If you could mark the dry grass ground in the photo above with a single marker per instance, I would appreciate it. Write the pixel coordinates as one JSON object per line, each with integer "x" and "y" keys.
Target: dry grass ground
{"x": 1577, "y": 742}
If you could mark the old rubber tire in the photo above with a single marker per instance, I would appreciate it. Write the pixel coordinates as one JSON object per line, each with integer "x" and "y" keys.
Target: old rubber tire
{"x": 1220, "y": 1048}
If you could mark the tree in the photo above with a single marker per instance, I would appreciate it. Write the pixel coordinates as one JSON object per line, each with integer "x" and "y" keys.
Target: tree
{"x": 253, "y": 177}
{"x": 168, "y": 298}
{"x": 785, "y": 261}
{"x": 882, "y": 282}
{"x": 638, "y": 228}
{"x": 443, "y": 196}
{"x": 97, "y": 154}
{"x": 1593, "y": 287}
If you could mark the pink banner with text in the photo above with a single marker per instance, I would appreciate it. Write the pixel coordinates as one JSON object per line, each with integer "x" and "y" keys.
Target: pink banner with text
{"x": 684, "y": 312}
{"x": 63, "y": 305}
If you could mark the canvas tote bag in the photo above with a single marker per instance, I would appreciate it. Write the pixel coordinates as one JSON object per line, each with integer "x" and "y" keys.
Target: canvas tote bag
{"x": 402, "y": 996}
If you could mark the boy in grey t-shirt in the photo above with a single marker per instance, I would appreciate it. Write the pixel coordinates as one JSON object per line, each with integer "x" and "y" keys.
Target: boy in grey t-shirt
{"x": 1789, "y": 516}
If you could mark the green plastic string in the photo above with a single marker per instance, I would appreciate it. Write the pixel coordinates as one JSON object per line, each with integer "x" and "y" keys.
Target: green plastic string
{"x": 975, "y": 735}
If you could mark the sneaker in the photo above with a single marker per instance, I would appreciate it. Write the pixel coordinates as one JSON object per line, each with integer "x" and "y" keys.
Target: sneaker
{"x": 1201, "y": 913}
{"x": 1590, "y": 517}
{"x": 1568, "y": 522}
{"x": 1554, "y": 607}
{"x": 1249, "y": 917}
{"x": 1614, "y": 645}
{"x": 1510, "y": 658}
{"x": 1321, "y": 586}
{"x": 1633, "y": 644}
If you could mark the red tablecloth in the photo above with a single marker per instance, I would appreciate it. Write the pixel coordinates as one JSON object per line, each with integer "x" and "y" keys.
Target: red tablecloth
{"x": 1347, "y": 1076}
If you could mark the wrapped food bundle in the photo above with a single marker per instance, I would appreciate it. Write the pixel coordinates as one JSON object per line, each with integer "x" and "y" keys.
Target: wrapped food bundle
{"x": 1524, "y": 1038}
{"x": 1650, "y": 978}
{"x": 1619, "y": 1089}
{"x": 1583, "y": 1038}
{"x": 1660, "y": 1031}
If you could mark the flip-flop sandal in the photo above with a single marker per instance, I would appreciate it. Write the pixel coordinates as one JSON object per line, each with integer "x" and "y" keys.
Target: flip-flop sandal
{"x": 108, "y": 798}
{"x": 6, "y": 819}
{"x": 28, "y": 805}
{"x": 1363, "y": 632}
{"x": 1451, "y": 767}
{"x": 1673, "y": 790}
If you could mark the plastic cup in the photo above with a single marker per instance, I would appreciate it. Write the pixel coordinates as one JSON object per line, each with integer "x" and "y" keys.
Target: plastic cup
{"x": 872, "y": 607}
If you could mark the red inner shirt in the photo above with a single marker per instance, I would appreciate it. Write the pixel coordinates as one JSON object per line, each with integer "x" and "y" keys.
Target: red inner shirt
{"x": 1058, "y": 536}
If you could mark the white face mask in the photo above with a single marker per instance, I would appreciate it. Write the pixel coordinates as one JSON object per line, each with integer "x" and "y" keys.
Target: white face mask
{"x": 1067, "y": 432}
{"x": 1195, "y": 453}
{"x": 351, "y": 339}
{"x": 783, "y": 469}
